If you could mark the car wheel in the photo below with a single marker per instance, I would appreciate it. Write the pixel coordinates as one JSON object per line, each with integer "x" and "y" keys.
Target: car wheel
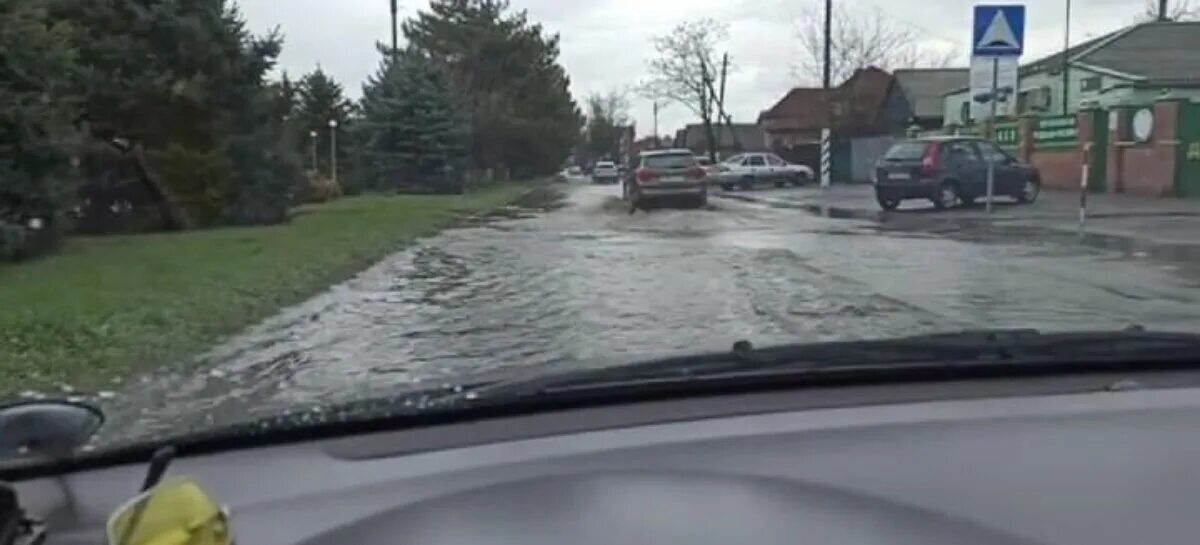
{"x": 1029, "y": 191}
{"x": 801, "y": 179}
{"x": 701, "y": 200}
{"x": 947, "y": 196}
{"x": 747, "y": 183}
{"x": 887, "y": 203}
{"x": 727, "y": 187}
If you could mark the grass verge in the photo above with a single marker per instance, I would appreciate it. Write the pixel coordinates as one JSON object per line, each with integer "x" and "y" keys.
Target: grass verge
{"x": 105, "y": 308}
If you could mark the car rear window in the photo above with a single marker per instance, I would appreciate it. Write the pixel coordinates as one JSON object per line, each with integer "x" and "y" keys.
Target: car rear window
{"x": 604, "y": 164}
{"x": 668, "y": 161}
{"x": 906, "y": 151}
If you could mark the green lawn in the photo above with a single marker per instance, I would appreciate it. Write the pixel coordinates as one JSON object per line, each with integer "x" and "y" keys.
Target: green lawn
{"x": 108, "y": 307}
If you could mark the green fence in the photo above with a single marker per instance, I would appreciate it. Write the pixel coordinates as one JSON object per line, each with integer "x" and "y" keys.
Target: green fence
{"x": 1187, "y": 176}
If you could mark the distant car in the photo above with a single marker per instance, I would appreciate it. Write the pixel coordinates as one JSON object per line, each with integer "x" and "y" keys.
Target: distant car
{"x": 748, "y": 170}
{"x": 670, "y": 174}
{"x": 950, "y": 171}
{"x": 605, "y": 172}
{"x": 708, "y": 165}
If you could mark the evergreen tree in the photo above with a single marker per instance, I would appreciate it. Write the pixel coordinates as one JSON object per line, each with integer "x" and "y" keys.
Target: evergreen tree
{"x": 175, "y": 86}
{"x": 34, "y": 127}
{"x": 320, "y": 99}
{"x": 410, "y": 133}
{"x": 515, "y": 96}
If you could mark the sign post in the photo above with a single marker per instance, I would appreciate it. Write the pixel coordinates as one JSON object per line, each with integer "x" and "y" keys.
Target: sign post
{"x": 998, "y": 39}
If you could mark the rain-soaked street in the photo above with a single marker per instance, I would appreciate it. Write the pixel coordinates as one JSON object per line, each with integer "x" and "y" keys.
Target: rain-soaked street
{"x": 575, "y": 280}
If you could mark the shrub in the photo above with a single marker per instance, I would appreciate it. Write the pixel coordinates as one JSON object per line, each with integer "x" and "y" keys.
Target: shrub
{"x": 319, "y": 188}
{"x": 198, "y": 179}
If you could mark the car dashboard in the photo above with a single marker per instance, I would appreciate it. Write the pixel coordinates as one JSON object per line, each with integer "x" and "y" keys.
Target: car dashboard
{"x": 1072, "y": 461}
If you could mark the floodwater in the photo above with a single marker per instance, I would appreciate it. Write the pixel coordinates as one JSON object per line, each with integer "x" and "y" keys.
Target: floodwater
{"x": 571, "y": 279}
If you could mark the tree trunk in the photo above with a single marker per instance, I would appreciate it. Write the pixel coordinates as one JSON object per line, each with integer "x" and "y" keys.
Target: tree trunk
{"x": 176, "y": 218}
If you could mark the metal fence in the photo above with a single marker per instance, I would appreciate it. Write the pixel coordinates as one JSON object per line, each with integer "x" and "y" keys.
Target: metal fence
{"x": 864, "y": 153}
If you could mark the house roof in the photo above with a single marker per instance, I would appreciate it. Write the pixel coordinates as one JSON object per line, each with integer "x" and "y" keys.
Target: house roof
{"x": 745, "y": 135}
{"x": 924, "y": 87}
{"x": 860, "y": 98}
{"x": 1156, "y": 50}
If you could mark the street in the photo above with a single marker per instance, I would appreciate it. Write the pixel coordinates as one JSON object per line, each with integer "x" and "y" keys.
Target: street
{"x": 570, "y": 278}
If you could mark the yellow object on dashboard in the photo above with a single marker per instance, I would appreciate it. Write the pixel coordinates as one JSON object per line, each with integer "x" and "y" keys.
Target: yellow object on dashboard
{"x": 175, "y": 512}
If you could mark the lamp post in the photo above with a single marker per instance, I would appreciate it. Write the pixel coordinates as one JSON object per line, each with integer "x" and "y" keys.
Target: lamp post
{"x": 312, "y": 138}
{"x": 333, "y": 124}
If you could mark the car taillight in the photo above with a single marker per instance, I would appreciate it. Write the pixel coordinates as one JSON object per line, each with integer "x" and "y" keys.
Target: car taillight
{"x": 646, "y": 175}
{"x": 931, "y": 161}
{"x": 696, "y": 172}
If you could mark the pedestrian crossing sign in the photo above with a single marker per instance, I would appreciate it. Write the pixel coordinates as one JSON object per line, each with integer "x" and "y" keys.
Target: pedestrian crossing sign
{"x": 999, "y": 31}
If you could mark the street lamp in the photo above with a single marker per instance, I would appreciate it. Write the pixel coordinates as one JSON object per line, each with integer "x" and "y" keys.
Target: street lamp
{"x": 312, "y": 137}
{"x": 333, "y": 124}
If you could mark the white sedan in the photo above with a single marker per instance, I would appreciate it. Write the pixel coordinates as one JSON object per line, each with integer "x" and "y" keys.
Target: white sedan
{"x": 750, "y": 169}
{"x": 605, "y": 172}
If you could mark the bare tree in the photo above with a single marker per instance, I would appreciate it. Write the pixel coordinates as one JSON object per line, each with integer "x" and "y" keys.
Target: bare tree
{"x": 684, "y": 68}
{"x": 870, "y": 38}
{"x": 1177, "y": 10}
{"x": 607, "y": 115}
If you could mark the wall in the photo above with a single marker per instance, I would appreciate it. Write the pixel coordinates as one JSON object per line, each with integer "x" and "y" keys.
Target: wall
{"x": 1060, "y": 169}
{"x": 1147, "y": 167}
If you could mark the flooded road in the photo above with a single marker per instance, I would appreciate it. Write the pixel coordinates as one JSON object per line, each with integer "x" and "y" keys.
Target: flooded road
{"x": 577, "y": 281}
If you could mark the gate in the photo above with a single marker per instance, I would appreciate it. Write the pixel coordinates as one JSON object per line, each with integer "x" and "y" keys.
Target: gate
{"x": 1187, "y": 176}
{"x": 1098, "y": 170}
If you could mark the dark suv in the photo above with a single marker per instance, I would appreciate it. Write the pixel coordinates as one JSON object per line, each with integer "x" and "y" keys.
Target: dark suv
{"x": 950, "y": 171}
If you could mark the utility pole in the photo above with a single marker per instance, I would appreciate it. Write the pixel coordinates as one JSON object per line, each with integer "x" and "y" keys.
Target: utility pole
{"x": 395, "y": 32}
{"x": 1162, "y": 10}
{"x": 1066, "y": 64}
{"x": 721, "y": 98}
{"x": 827, "y": 132}
{"x": 656, "y": 124}
{"x": 706, "y": 100}
{"x": 828, "y": 42}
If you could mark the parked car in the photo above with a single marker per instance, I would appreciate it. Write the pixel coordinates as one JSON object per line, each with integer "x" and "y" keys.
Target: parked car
{"x": 662, "y": 175}
{"x": 605, "y": 172}
{"x": 748, "y": 170}
{"x": 708, "y": 165}
{"x": 949, "y": 171}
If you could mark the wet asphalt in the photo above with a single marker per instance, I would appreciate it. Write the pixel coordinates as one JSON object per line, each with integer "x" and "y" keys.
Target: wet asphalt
{"x": 569, "y": 278}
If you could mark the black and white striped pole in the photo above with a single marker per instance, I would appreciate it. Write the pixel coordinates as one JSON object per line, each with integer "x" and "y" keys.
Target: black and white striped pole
{"x": 826, "y": 157}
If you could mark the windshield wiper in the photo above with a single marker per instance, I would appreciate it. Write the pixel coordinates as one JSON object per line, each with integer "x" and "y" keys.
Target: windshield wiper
{"x": 927, "y": 357}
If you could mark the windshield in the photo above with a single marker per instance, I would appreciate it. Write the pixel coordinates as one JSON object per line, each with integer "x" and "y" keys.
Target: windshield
{"x": 906, "y": 151}
{"x": 217, "y": 212}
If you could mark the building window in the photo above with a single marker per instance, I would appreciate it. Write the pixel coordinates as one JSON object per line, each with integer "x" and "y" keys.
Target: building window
{"x": 1090, "y": 84}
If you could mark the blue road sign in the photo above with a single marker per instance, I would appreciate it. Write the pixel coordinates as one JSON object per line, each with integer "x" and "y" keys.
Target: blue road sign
{"x": 999, "y": 31}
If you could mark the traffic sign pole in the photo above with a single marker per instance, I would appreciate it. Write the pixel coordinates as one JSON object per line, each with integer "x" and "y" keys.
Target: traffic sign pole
{"x": 991, "y": 166}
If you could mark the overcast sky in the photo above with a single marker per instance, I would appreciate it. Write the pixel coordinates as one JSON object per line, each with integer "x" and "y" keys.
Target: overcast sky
{"x": 605, "y": 42}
